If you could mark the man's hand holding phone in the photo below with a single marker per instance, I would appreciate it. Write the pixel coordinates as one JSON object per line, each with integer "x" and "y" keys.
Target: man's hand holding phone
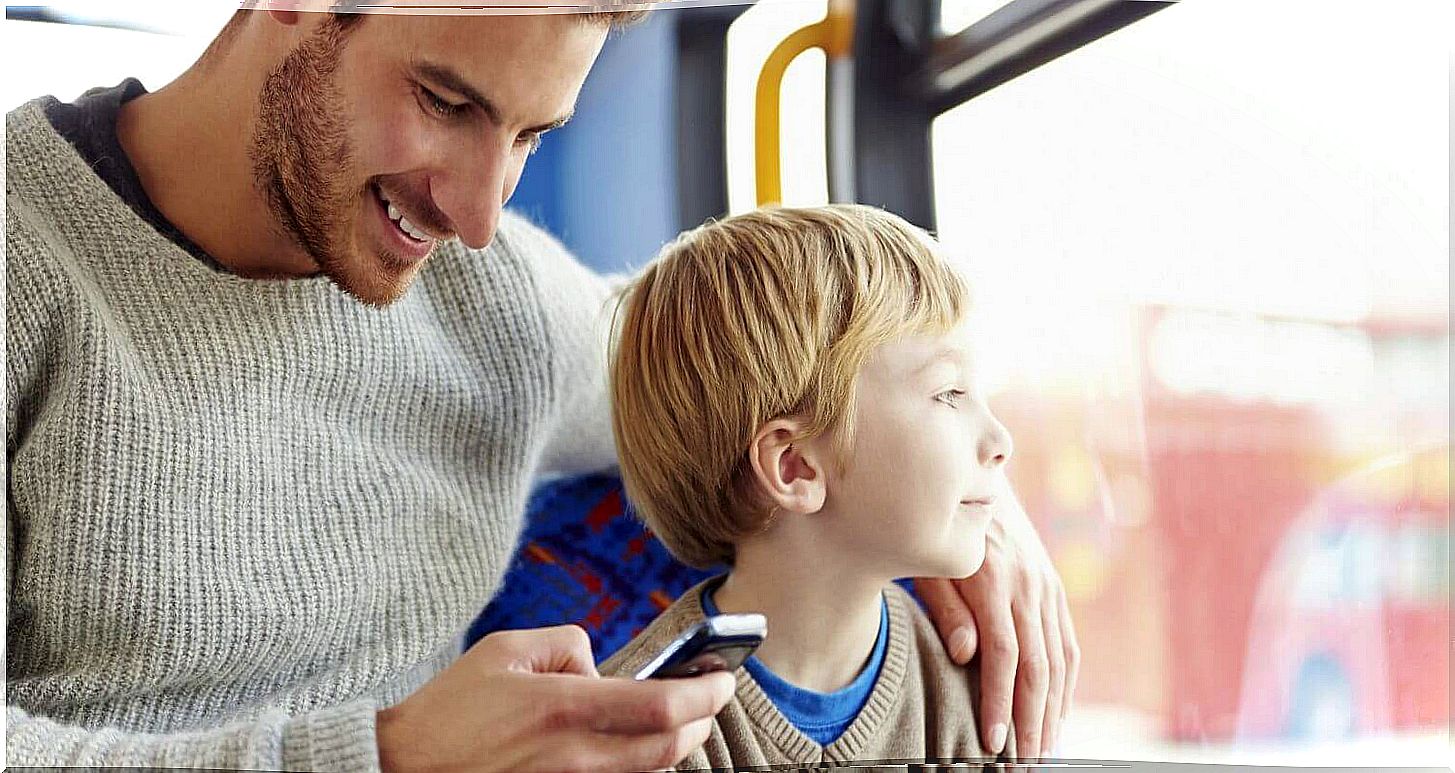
{"x": 532, "y": 701}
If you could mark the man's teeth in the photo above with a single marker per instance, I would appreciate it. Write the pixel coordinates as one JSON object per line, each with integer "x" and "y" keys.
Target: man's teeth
{"x": 404, "y": 224}
{"x": 409, "y": 228}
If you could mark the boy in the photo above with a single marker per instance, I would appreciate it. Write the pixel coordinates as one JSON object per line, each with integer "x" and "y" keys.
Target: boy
{"x": 793, "y": 398}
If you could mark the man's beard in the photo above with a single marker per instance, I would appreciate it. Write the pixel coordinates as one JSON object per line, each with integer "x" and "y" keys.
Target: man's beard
{"x": 302, "y": 162}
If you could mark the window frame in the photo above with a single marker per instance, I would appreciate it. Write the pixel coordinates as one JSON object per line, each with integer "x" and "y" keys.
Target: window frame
{"x": 916, "y": 74}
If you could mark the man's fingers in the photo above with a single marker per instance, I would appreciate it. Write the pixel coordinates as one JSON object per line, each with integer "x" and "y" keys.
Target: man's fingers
{"x": 561, "y": 649}
{"x": 571, "y": 653}
{"x": 1032, "y": 676}
{"x": 951, "y": 616}
{"x": 1056, "y": 685}
{"x": 532, "y": 701}
{"x": 613, "y": 753}
{"x": 1073, "y": 654}
{"x": 998, "y": 655}
{"x": 648, "y": 707}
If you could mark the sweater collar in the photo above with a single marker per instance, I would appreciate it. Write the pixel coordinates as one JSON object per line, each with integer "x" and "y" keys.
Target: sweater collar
{"x": 887, "y": 693}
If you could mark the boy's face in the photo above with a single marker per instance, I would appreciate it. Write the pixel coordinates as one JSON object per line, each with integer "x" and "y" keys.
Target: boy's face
{"x": 918, "y": 491}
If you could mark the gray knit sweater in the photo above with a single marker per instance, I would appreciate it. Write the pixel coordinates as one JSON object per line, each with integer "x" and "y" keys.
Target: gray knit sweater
{"x": 242, "y": 515}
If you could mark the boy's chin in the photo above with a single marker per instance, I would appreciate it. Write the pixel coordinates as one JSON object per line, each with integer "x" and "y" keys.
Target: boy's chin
{"x": 962, "y": 561}
{"x": 967, "y": 567}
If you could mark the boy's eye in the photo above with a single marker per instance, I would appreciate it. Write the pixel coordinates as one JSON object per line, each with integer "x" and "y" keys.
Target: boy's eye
{"x": 950, "y": 397}
{"x": 437, "y": 104}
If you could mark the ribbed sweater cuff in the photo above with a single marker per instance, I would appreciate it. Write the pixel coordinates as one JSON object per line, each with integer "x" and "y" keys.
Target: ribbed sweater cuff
{"x": 341, "y": 738}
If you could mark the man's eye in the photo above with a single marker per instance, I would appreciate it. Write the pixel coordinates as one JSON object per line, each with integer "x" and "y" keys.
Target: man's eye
{"x": 438, "y": 105}
{"x": 531, "y": 140}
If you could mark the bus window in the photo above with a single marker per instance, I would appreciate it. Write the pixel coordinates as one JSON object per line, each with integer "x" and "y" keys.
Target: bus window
{"x": 1211, "y": 264}
{"x": 750, "y": 39}
{"x": 956, "y": 15}
{"x": 157, "y": 41}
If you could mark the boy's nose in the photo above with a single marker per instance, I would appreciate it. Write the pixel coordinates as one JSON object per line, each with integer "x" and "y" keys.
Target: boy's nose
{"x": 996, "y": 445}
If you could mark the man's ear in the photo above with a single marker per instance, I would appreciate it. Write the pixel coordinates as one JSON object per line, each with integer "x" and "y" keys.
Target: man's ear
{"x": 789, "y": 474}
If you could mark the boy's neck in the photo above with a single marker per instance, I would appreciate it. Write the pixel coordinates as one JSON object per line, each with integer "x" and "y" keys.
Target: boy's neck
{"x": 823, "y": 621}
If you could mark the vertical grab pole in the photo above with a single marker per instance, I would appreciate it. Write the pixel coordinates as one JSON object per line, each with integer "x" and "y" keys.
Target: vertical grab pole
{"x": 834, "y": 34}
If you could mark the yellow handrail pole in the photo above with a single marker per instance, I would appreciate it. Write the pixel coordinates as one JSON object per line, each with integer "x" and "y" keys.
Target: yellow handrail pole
{"x": 768, "y": 125}
{"x": 835, "y": 35}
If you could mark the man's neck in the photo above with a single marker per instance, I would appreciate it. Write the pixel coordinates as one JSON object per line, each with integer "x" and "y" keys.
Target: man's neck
{"x": 823, "y": 619}
{"x": 189, "y": 145}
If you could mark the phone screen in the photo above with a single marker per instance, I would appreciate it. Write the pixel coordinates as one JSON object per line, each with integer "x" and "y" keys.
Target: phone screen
{"x": 720, "y": 643}
{"x": 727, "y": 658}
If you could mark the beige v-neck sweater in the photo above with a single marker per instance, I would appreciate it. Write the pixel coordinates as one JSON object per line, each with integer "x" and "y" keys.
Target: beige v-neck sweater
{"x": 921, "y": 709}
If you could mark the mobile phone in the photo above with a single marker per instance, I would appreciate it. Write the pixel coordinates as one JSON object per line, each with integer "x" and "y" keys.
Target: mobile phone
{"x": 719, "y": 643}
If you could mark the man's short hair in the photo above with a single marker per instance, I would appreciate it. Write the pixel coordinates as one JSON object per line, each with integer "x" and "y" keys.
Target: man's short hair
{"x": 347, "y": 19}
{"x": 617, "y": 19}
{"x": 614, "y": 13}
{"x": 739, "y": 322}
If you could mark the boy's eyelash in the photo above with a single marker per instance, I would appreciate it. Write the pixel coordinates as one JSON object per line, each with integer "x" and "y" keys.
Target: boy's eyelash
{"x": 954, "y": 396}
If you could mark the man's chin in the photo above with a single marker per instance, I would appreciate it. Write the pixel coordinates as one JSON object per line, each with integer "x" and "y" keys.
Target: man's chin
{"x": 381, "y": 284}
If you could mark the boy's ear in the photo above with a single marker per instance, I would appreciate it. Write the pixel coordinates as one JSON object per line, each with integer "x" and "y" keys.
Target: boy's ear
{"x": 789, "y": 474}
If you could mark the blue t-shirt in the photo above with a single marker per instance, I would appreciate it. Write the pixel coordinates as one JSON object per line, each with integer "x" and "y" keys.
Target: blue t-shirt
{"x": 820, "y": 716}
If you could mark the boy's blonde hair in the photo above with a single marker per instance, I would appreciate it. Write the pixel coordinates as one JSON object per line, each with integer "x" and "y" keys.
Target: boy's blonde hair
{"x": 738, "y": 322}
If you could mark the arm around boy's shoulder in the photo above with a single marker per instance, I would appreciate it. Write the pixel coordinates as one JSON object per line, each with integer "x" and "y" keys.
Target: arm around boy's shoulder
{"x": 1009, "y": 753}
{"x": 951, "y": 695}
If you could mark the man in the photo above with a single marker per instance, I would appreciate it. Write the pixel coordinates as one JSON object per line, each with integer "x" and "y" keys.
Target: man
{"x": 279, "y": 376}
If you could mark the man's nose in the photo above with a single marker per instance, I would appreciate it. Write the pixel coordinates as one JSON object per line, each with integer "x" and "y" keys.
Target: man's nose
{"x": 470, "y": 190}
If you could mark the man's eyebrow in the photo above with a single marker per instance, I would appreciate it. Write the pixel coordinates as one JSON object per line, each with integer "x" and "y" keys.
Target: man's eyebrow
{"x": 449, "y": 79}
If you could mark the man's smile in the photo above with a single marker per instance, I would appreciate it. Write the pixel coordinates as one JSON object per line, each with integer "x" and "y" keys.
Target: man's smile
{"x": 409, "y": 241}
